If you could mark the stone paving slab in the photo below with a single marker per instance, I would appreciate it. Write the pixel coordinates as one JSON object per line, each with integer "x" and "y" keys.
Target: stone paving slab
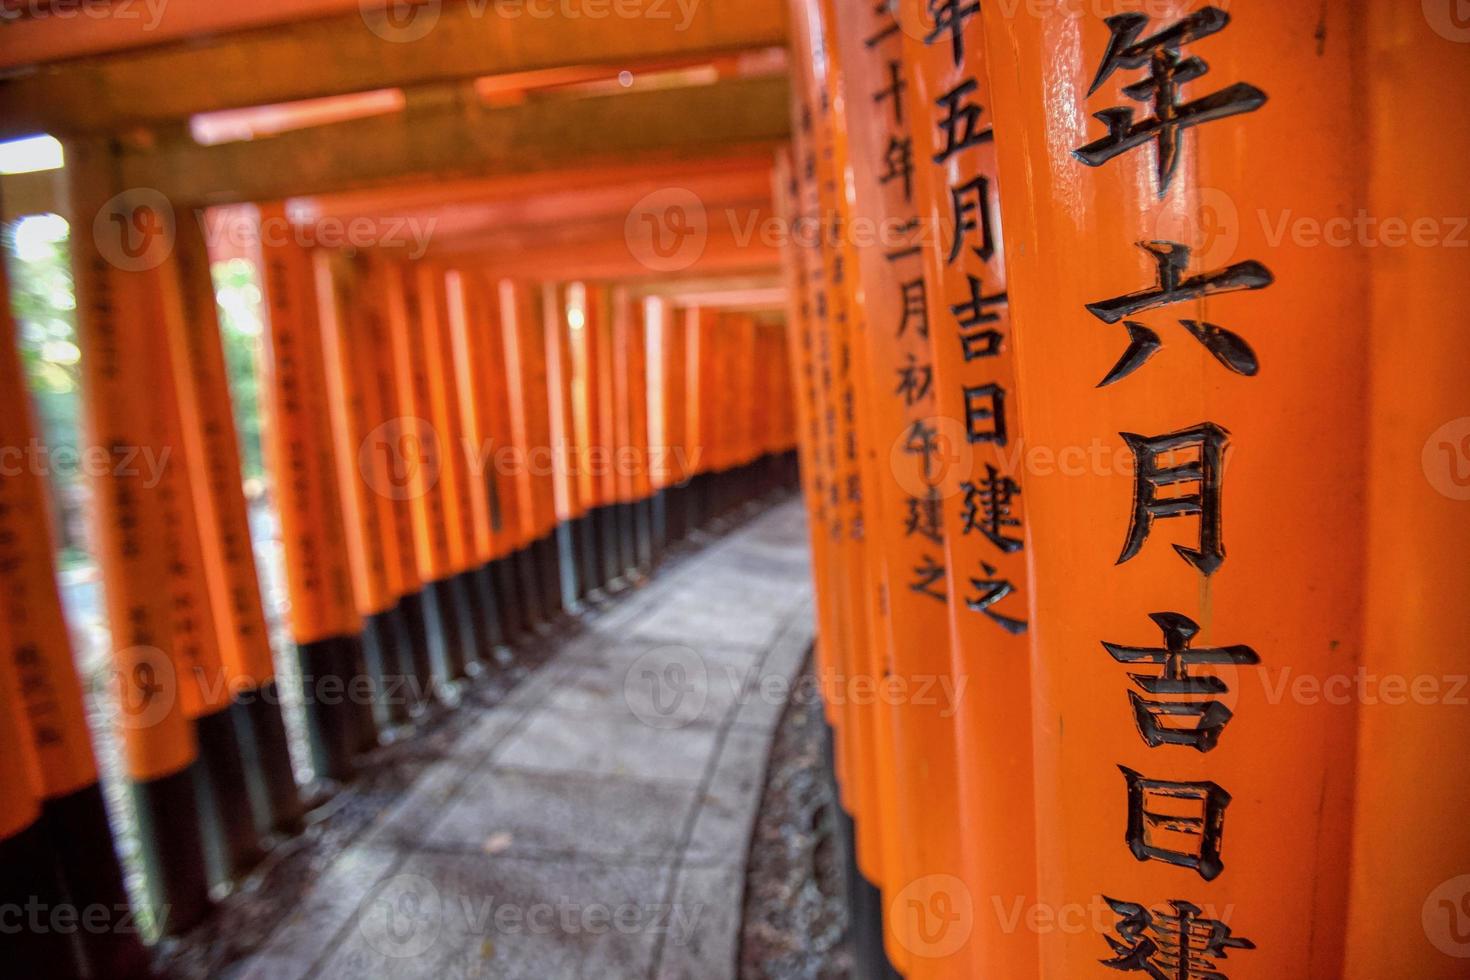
{"x": 595, "y": 822}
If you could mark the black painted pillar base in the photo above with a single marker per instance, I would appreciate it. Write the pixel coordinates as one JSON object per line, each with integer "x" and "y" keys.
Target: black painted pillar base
{"x": 173, "y": 847}
{"x": 643, "y": 535}
{"x": 30, "y": 880}
{"x": 418, "y": 656}
{"x": 609, "y": 548}
{"x": 589, "y": 569}
{"x": 569, "y": 575}
{"x": 229, "y": 824}
{"x": 332, "y": 726}
{"x": 474, "y": 646}
{"x": 385, "y": 640}
{"x": 864, "y": 898}
{"x": 548, "y": 566}
{"x": 676, "y": 521}
{"x": 509, "y": 600}
{"x": 493, "y": 635}
{"x": 701, "y": 501}
{"x": 627, "y": 541}
{"x": 445, "y": 634}
{"x": 78, "y": 834}
{"x": 530, "y": 579}
{"x": 357, "y": 692}
{"x": 659, "y": 531}
{"x": 268, "y": 749}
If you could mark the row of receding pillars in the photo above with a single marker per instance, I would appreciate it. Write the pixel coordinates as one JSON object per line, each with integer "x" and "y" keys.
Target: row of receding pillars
{"x": 1131, "y": 356}
{"x": 458, "y": 461}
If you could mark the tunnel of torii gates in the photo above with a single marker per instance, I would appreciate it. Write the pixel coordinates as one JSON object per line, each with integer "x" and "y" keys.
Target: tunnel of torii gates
{"x": 1021, "y": 282}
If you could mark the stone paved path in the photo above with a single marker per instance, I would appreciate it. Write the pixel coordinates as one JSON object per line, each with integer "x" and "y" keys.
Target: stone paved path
{"x": 596, "y": 823}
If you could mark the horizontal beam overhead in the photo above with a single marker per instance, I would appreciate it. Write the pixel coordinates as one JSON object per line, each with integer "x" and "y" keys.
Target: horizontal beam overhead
{"x": 461, "y": 138}
{"x": 362, "y": 50}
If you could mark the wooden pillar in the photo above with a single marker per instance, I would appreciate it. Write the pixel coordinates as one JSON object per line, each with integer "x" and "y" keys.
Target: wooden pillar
{"x": 503, "y": 474}
{"x": 355, "y": 330}
{"x": 885, "y": 841}
{"x": 325, "y": 622}
{"x": 525, "y": 368}
{"x": 1194, "y": 406}
{"x": 630, "y": 375}
{"x": 594, "y": 534}
{"x": 206, "y": 686}
{"x": 668, "y": 421}
{"x": 557, "y": 561}
{"x": 116, "y": 338}
{"x": 394, "y": 465}
{"x": 54, "y": 833}
{"x": 1409, "y": 913}
{"x": 477, "y": 520}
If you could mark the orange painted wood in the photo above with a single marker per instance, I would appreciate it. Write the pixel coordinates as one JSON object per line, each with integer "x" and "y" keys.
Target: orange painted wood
{"x": 561, "y": 404}
{"x": 299, "y": 448}
{"x": 914, "y": 478}
{"x": 215, "y": 469}
{"x": 523, "y": 305}
{"x": 453, "y": 487}
{"x": 700, "y": 423}
{"x": 1290, "y": 582}
{"x": 630, "y": 374}
{"x": 38, "y": 677}
{"x": 1409, "y": 914}
{"x": 471, "y": 337}
{"x": 872, "y": 764}
{"x": 669, "y": 379}
{"x": 982, "y": 491}
{"x": 205, "y": 686}
{"x": 495, "y": 398}
{"x": 114, "y": 334}
{"x": 584, "y": 344}
{"x": 394, "y": 458}
{"x": 352, "y": 359}
{"x": 423, "y": 442}
{"x": 600, "y": 463}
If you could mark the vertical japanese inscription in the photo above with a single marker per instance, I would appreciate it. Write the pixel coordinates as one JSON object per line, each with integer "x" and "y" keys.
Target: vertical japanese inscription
{"x": 1178, "y": 474}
